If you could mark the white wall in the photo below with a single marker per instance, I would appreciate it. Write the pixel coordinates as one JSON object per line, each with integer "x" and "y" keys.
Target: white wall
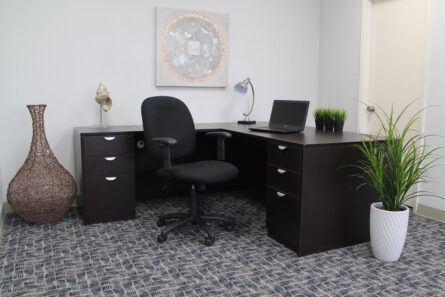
{"x": 435, "y": 99}
{"x": 339, "y": 64}
{"x": 57, "y": 51}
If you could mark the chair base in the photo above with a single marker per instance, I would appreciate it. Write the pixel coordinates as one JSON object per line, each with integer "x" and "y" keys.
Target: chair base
{"x": 195, "y": 217}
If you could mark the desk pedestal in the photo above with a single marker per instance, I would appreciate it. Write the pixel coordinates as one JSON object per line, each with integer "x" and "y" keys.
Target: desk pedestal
{"x": 313, "y": 204}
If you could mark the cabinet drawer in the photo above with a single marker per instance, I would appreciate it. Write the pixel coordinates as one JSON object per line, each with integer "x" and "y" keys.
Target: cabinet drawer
{"x": 109, "y": 198}
{"x": 108, "y": 165}
{"x": 283, "y": 180}
{"x": 283, "y": 218}
{"x": 284, "y": 156}
{"x": 108, "y": 145}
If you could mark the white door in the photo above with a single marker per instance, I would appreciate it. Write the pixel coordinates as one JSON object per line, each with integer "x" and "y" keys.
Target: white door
{"x": 393, "y": 58}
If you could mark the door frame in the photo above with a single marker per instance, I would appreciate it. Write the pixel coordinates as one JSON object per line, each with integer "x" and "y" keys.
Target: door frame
{"x": 365, "y": 66}
{"x": 365, "y": 70}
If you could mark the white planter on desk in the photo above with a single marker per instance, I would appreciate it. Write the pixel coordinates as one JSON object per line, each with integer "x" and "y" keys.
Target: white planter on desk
{"x": 388, "y": 232}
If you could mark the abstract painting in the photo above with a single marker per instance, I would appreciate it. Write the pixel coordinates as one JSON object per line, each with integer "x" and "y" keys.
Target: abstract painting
{"x": 191, "y": 48}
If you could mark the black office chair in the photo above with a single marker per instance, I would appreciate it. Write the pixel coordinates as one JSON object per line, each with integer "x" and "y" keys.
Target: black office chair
{"x": 170, "y": 135}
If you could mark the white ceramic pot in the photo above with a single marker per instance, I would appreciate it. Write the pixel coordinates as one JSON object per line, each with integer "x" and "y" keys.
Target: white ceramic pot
{"x": 388, "y": 232}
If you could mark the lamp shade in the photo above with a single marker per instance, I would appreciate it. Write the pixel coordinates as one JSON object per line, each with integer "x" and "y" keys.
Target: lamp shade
{"x": 241, "y": 87}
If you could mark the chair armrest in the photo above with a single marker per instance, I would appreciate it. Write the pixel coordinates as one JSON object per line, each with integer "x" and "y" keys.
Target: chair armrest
{"x": 165, "y": 143}
{"x": 220, "y": 145}
{"x": 165, "y": 140}
{"x": 219, "y": 133}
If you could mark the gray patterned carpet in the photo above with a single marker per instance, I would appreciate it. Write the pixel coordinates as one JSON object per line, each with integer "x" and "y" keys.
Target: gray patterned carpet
{"x": 124, "y": 259}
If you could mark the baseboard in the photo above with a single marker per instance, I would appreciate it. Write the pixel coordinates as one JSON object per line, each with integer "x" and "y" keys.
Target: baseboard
{"x": 7, "y": 208}
{"x": 431, "y": 212}
{"x": 4, "y": 210}
{"x": 77, "y": 201}
{"x": 2, "y": 217}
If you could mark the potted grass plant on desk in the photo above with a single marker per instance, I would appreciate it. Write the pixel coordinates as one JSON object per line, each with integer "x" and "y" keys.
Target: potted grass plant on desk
{"x": 327, "y": 119}
{"x": 393, "y": 167}
{"x": 319, "y": 114}
{"x": 339, "y": 118}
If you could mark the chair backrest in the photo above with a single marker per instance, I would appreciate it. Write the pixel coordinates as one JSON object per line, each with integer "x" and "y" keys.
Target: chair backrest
{"x": 165, "y": 116}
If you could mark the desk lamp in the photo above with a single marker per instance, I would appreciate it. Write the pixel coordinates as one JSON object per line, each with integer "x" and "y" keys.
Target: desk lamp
{"x": 241, "y": 88}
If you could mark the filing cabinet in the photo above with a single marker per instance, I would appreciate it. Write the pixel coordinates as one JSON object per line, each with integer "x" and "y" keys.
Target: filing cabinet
{"x": 283, "y": 193}
{"x": 108, "y": 177}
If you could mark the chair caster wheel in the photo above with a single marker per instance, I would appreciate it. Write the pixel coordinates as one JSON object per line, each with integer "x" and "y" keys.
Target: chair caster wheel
{"x": 160, "y": 223}
{"x": 209, "y": 241}
{"x": 162, "y": 237}
{"x": 229, "y": 227}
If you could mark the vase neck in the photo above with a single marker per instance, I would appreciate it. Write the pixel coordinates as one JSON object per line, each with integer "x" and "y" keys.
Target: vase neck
{"x": 39, "y": 143}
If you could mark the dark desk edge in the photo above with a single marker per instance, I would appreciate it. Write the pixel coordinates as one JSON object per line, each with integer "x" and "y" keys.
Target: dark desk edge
{"x": 309, "y": 137}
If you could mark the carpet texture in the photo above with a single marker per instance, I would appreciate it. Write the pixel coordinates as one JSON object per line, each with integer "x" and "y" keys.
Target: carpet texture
{"x": 123, "y": 258}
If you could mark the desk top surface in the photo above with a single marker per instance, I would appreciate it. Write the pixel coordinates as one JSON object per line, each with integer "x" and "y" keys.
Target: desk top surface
{"x": 309, "y": 137}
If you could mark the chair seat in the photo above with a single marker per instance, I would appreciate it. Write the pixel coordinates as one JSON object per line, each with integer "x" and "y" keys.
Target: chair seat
{"x": 202, "y": 172}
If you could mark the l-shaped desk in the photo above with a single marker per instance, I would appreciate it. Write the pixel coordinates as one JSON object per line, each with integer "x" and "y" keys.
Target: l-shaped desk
{"x": 312, "y": 200}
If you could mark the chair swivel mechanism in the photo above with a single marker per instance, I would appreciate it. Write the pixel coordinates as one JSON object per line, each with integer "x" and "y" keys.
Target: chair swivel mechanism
{"x": 169, "y": 133}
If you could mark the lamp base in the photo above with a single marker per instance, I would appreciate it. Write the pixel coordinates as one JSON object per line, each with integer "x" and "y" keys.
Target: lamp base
{"x": 247, "y": 122}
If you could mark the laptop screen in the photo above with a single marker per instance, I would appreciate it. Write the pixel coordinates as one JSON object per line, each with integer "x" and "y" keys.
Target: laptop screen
{"x": 289, "y": 113}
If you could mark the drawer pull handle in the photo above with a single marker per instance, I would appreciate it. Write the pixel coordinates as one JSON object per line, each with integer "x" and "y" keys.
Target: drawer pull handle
{"x": 279, "y": 194}
{"x": 110, "y": 158}
{"x": 281, "y": 171}
{"x": 111, "y": 178}
{"x": 109, "y": 138}
{"x": 140, "y": 144}
{"x": 282, "y": 147}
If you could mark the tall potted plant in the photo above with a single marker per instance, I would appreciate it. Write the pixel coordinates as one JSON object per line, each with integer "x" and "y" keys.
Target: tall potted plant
{"x": 395, "y": 160}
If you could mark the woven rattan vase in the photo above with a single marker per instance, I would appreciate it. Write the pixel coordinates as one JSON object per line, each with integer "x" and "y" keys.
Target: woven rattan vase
{"x": 42, "y": 190}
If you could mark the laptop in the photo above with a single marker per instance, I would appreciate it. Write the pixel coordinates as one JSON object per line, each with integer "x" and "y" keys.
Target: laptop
{"x": 287, "y": 116}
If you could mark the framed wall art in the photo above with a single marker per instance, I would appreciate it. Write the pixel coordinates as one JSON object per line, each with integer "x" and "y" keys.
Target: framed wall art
{"x": 191, "y": 48}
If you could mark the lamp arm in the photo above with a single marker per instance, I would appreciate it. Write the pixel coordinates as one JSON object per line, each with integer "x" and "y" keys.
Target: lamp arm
{"x": 253, "y": 101}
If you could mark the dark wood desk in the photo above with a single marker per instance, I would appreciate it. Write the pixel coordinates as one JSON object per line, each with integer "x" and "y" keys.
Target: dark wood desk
{"x": 312, "y": 201}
